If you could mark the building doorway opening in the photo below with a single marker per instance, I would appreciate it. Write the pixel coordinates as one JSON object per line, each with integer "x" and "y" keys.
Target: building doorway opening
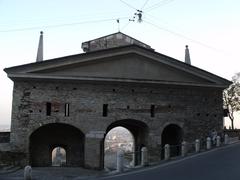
{"x": 138, "y": 131}
{"x": 118, "y": 138}
{"x": 59, "y": 156}
{"x": 46, "y": 138}
{"x": 172, "y": 135}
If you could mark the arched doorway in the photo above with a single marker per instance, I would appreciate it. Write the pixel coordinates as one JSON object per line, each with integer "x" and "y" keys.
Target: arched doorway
{"x": 138, "y": 130}
{"x": 118, "y": 138}
{"x": 46, "y": 138}
{"x": 172, "y": 135}
{"x": 59, "y": 156}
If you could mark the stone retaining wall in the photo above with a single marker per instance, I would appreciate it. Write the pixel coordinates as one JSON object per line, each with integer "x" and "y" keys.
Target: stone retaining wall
{"x": 12, "y": 158}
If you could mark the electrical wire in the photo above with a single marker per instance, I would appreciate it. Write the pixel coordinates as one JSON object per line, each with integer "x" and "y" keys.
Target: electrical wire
{"x": 144, "y": 4}
{"x": 130, "y": 6}
{"x": 182, "y": 36}
{"x": 62, "y": 25}
{"x": 156, "y": 18}
{"x": 157, "y": 5}
{"x": 124, "y": 27}
{"x": 163, "y": 22}
{"x": 58, "y": 19}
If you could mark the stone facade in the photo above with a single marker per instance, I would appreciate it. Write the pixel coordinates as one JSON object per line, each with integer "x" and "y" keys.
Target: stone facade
{"x": 196, "y": 110}
{"x": 73, "y": 102}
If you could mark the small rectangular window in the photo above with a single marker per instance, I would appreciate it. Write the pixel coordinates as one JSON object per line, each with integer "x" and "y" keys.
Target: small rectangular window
{"x": 152, "y": 110}
{"x": 67, "y": 109}
{"x": 48, "y": 108}
{"x": 105, "y": 110}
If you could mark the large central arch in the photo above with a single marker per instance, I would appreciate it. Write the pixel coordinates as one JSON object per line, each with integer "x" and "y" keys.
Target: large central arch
{"x": 138, "y": 129}
{"x": 46, "y": 138}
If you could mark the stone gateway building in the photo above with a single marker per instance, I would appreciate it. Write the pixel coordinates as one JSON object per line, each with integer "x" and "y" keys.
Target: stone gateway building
{"x": 74, "y": 101}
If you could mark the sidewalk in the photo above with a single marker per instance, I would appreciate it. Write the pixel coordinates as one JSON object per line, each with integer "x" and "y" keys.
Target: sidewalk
{"x": 54, "y": 173}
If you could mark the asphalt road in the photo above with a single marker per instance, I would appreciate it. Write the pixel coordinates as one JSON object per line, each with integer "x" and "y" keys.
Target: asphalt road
{"x": 221, "y": 164}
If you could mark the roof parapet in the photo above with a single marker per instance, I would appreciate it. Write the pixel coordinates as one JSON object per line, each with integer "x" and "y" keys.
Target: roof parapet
{"x": 111, "y": 41}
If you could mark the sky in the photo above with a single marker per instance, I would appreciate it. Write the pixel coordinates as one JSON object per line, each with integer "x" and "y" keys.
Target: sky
{"x": 210, "y": 29}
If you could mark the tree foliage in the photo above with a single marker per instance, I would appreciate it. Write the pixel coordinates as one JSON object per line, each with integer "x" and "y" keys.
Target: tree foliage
{"x": 231, "y": 98}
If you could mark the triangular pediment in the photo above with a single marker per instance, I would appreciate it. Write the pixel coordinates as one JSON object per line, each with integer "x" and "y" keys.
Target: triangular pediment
{"x": 125, "y": 64}
{"x": 125, "y": 67}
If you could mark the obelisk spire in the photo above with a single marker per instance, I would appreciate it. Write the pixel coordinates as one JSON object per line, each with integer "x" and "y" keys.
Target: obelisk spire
{"x": 40, "y": 48}
{"x": 187, "y": 56}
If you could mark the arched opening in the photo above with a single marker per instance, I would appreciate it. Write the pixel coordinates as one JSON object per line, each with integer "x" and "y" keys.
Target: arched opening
{"x": 172, "y": 135}
{"x": 139, "y": 132}
{"x": 118, "y": 138}
{"x": 58, "y": 156}
{"x": 45, "y": 139}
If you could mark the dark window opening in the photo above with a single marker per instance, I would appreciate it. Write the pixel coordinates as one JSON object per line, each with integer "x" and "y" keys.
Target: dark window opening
{"x": 48, "y": 108}
{"x": 27, "y": 93}
{"x": 132, "y": 90}
{"x": 57, "y": 88}
{"x": 74, "y": 88}
{"x": 225, "y": 112}
{"x": 128, "y": 107}
{"x": 114, "y": 90}
{"x": 67, "y": 109}
{"x": 152, "y": 111}
{"x": 105, "y": 110}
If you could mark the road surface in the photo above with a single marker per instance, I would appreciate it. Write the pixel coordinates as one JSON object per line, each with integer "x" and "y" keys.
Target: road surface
{"x": 221, "y": 164}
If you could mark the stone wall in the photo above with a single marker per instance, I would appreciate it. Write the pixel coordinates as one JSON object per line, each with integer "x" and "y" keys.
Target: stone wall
{"x": 10, "y": 157}
{"x": 13, "y": 158}
{"x": 196, "y": 110}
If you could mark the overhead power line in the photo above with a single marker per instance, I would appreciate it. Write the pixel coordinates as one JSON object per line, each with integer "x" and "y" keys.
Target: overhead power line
{"x": 157, "y": 5}
{"x": 59, "y": 19}
{"x": 144, "y": 4}
{"x": 125, "y": 26}
{"x": 182, "y": 36}
{"x": 129, "y": 5}
{"x": 62, "y": 25}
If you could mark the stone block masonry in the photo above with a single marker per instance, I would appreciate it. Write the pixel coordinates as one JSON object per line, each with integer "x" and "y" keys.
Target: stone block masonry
{"x": 196, "y": 110}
